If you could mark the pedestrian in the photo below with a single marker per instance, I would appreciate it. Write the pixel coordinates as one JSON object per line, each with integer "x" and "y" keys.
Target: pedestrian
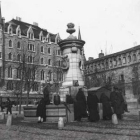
{"x": 9, "y": 106}
{"x": 117, "y": 102}
{"x": 80, "y": 109}
{"x": 107, "y": 112}
{"x": 41, "y": 111}
{"x": 125, "y": 103}
{"x": 92, "y": 103}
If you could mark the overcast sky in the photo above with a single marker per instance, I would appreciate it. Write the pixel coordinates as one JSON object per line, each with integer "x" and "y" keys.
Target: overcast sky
{"x": 108, "y": 25}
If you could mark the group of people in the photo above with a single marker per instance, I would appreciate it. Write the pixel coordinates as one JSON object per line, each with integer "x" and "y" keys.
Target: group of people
{"x": 115, "y": 104}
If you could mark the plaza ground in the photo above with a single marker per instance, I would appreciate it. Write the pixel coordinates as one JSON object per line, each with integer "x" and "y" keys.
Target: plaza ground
{"x": 127, "y": 129}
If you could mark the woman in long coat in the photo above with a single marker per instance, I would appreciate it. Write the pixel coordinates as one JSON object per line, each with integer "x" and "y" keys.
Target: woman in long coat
{"x": 107, "y": 112}
{"x": 92, "y": 103}
{"x": 79, "y": 105}
{"x": 41, "y": 111}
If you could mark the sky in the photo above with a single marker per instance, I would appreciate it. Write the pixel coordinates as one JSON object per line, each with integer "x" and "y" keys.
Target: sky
{"x": 107, "y": 25}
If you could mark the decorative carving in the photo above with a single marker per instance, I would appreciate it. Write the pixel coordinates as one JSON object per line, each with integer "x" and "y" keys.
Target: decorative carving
{"x": 70, "y": 28}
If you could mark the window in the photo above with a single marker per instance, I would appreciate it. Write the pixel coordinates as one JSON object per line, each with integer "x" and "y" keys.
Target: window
{"x": 9, "y": 85}
{"x": 50, "y": 75}
{"x": 35, "y": 87}
{"x": 30, "y": 59}
{"x": 18, "y": 57}
{"x": 41, "y": 60}
{"x": 129, "y": 58}
{"x": 10, "y": 31}
{"x": 107, "y": 65}
{"x": 111, "y": 64}
{"x": 10, "y": 56}
{"x": 42, "y": 75}
{"x": 18, "y": 45}
{"x": 0, "y": 54}
{"x": 49, "y": 62}
{"x": 31, "y": 47}
{"x": 9, "y": 72}
{"x": 18, "y": 33}
{"x": 124, "y": 60}
{"x": 10, "y": 43}
{"x": 119, "y": 61}
{"x": 49, "y": 50}
{"x": 122, "y": 77}
{"x": 58, "y": 52}
{"x": 18, "y": 73}
{"x": 42, "y": 49}
{"x": 134, "y": 57}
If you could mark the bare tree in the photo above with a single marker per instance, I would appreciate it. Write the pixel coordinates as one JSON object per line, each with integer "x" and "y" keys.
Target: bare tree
{"x": 27, "y": 70}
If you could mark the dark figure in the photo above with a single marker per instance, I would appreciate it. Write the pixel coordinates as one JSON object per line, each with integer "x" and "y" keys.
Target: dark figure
{"x": 46, "y": 95}
{"x": 41, "y": 111}
{"x": 125, "y": 103}
{"x": 107, "y": 112}
{"x": 92, "y": 103}
{"x": 80, "y": 105}
{"x": 9, "y": 106}
{"x": 117, "y": 102}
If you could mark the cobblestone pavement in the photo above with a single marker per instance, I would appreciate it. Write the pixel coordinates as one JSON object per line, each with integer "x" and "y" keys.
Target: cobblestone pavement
{"x": 127, "y": 129}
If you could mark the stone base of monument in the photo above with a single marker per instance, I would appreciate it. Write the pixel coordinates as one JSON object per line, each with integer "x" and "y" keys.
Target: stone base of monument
{"x": 53, "y": 112}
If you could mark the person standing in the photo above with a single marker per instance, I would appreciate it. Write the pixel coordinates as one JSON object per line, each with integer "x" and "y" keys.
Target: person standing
{"x": 107, "y": 112}
{"x": 117, "y": 102}
{"x": 9, "y": 106}
{"x": 80, "y": 105}
{"x": 41, "y": 111}
{"x": 92, "y": 103}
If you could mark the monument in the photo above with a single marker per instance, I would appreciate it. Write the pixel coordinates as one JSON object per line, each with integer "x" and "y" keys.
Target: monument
{"x": 73, "y": 63}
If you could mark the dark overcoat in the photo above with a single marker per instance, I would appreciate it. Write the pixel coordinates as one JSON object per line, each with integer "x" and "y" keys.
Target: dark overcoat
{"x": 92, "y": 103}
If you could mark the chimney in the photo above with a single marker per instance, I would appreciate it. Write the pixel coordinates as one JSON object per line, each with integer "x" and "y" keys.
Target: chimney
{"x": 18, "y": 18}
{"x": 90, "y": 58}
{"x": 101, "y": 54}
{"x": 35, "y": 23}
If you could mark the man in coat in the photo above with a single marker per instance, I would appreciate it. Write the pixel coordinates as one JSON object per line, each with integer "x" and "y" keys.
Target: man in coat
{"x": 80, "y": 105}
{"x": 9, "y": 106}
{"x": 92, "y": 103}
{"x": 107, "y": 112}
{"x": 41, "y": 111}
{"x": 117, "y": 102}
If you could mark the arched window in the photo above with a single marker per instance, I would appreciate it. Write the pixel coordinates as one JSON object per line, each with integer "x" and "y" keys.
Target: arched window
{"x": 9, "y": 85}
{"x": 10, "y": 56}
{"x": 41, "y": 60}
{"x": 42, "y": 49}
{"x": 10, "y": 31}
{"x": 10, "y": 43}
{"x": 18, "y": 57}
{"x": 18, "y": 73}
{"x": 49, "y": 51}
{"x": 50, "y": 75}
{"x": 107, "y": 66}
{"x": 18, "y": 33}
{"x": 129, "y": 59}
{"x": 9, "y": 72}
{"x": 49, "y": 61}
{"x": 134, "y": 57}
{"x": 18, "y": 45}
{"x": 42, "y": 75}
{"x": 120, "y": 61}
{"x": 111, "y": 64}
{"x": 124, "y": 60}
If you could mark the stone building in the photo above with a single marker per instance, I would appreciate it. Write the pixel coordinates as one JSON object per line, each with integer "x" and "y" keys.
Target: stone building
{"x": 120, "y": 69}
{"x": 27, "y": 44}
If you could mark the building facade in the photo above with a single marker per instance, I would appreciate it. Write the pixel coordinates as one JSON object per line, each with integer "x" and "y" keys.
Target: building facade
{"x": 121, "y": 69}
{"x": 27, "y": 48}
